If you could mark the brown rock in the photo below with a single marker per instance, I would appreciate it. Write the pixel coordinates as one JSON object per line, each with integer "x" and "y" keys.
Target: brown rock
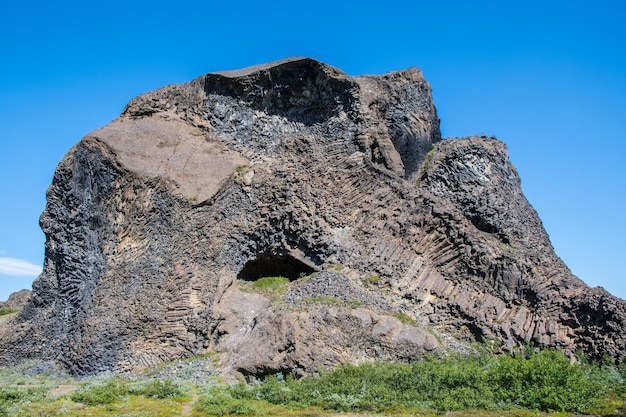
{"x": 17, "y": 300}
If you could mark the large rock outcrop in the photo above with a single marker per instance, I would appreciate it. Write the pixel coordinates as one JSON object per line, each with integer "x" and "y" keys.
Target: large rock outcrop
{"x": 16, "y": 301}
{"x": 395, "y": 242}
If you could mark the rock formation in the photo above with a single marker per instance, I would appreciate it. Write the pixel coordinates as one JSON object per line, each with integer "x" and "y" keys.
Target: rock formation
{"x": 16, "y": 301}
{"x": 395, "y": 242}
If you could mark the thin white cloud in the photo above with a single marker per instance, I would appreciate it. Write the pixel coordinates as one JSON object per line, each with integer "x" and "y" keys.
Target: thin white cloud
{"x": 17, "y": 267}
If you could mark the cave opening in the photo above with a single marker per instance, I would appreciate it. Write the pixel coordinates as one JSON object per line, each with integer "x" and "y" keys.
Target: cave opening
{"x": 270, "y": 265}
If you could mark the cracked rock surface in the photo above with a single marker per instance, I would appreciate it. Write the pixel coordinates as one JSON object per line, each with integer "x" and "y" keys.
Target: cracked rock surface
{"x": 395, "y": 242}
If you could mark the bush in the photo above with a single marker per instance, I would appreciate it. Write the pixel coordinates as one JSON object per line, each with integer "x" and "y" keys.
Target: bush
{"x": 221, "y": 403}
{"x": 160, "y": 389}
{"x": 12, "y": 396}
{"x": 545, "y": 381}
{"x": 9, "y": 397}
{"x": 7, "y": 310}
{"x": 110, "y": 392}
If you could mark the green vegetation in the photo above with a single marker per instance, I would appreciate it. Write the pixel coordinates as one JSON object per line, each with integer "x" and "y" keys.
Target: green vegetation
{"x": 322, "y": 299}
{"x": 272, "y": 287}
{"x": 270, "y": 283}
{"x": 427, "y": 161}
{"x": 114, "y": 390}
{"x": 405, "y": 319}
{"x": 531, "y": 384}
{"x": 372, "y": 279}
{"x": 12, "y": 396}
{"x": 330, "y": 301}
{"x": 7, "y": 310}
{"x": 107, "y": 393}
{"x": 545, "y": 381}
{"x": 160, "y": 389}
{"x": 219, "y": 402}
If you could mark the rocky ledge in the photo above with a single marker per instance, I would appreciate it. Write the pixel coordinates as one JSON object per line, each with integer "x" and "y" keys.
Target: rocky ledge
{"x": 395, "y": 242}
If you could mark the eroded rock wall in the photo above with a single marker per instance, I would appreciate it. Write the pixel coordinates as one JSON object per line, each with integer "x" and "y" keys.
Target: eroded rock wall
{"x": 396, "y": 242}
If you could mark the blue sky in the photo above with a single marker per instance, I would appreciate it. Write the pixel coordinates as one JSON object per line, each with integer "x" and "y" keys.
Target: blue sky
{"x": 548, "y": 78}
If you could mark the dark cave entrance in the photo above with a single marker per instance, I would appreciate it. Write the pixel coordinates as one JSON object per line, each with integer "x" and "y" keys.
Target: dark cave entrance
{"x": 270, "y": 265}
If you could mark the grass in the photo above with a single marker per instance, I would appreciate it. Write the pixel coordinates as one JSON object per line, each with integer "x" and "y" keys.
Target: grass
{"x": 114, "y": 390}
{"x": 131, "y": 405}
{"x": 538, "y": 384}
{"x": 7, "y": 310}
{"x": 270, "y": 283}
{"x": 272, "y": 287}
{"x": 99, "y": 398}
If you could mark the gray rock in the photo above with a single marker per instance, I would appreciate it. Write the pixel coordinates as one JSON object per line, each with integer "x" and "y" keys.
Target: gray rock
{"x": 156, "y": 223}
{"x": 17, "y": 300}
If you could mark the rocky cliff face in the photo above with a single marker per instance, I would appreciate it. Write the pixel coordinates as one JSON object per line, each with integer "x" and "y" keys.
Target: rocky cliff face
{"x": 394, "y": 241}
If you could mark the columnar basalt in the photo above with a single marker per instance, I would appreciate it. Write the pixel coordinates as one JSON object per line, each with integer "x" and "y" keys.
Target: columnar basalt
{"x": 395, "y": 242}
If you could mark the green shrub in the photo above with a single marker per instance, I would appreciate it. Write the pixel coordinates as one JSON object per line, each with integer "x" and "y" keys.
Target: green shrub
{"x": 545, "y": 381}
{"x": 9, "y": 397}
{"x": 220, "y": 403}
{"x": 110, "y": 392}
{"x": 7, "y": 310}
{"x": 160, "y": 389}
{"x": 427, "y": 160}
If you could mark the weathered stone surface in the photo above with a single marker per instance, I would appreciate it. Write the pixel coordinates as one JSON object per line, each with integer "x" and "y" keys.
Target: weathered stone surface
{"x": 17, "y": 300}
{"x": 156, "y": 223}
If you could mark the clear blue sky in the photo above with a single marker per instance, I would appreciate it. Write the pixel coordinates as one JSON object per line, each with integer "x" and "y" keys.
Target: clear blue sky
{"x": 548, "y": 78}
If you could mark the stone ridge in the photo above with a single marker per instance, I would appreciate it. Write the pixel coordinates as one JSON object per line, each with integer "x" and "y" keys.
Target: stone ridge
{"x": 396, "y": 243}
{"x": 304, "y": 90}
{"x": 261, "y": 67}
